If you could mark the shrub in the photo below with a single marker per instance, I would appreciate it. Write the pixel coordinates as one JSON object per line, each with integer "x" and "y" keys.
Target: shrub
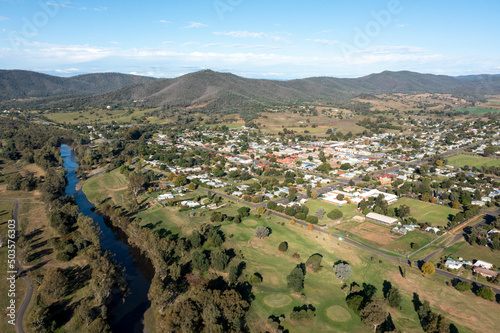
{"x": 244, "y": 211}
{"x": 335, "y": 214}
{"x": 283, "y": 247}
{"x": 428, "y": 268}
{"x": 272, "y": 205}
{"x": 312, "y": 219}
{"x": 314, "y": 262}
{"x": 290, "y": 211}
{"x": 485, "y": 293}
{"x": 261, "y": 232}
{"x": 463, "y": 286}
{"x": 255, "y": 278}
{"x": 300, "y": 216}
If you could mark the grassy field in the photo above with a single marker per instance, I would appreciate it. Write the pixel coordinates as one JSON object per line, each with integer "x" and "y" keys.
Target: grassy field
{"x": 106, "y": 185}
{"x": 103, "y": 116}
{"x": 349, "y": 210}
{"x": 322, "y": 289}
{"x": 271, "y": 122}
{"x": 472, "y": 252}
{"x": 461, "y": 160}
{"x": 403, "y": 244}
{"x": 436, "y": 215}
{"x": 477, "y": 110}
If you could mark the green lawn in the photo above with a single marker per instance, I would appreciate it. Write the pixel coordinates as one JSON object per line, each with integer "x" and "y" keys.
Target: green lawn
{"x": 102, "y": 116}
{"x": 436, "y": 215}
{"x": 472, "y": 252}
{"x": 477, "y": 110}
{"x": 349, "y": 210}
{"x": 403, "y": 244}
{"x": 461, "y": 160}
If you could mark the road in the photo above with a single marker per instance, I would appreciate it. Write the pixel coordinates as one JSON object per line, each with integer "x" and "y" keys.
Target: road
{"x": 22, "y": 273}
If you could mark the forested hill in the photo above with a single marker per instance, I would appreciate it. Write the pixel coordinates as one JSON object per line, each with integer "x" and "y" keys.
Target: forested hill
{"x": 19, "y": 84}
{"x": 214, "y": 91}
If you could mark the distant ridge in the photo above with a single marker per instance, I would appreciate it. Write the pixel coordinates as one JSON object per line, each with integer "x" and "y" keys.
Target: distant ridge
{"x": 211, "y": 90}
{"x": 26, "y": 84}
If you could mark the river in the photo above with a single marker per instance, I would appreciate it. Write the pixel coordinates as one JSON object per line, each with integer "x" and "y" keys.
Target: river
{"x": 127, "y": 314}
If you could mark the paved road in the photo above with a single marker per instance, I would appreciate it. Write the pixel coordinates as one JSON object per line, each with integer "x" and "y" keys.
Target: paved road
{"x": 22, "y": 273}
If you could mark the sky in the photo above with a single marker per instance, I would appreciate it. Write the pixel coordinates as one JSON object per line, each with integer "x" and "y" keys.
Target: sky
{"x": 251, "y": 38}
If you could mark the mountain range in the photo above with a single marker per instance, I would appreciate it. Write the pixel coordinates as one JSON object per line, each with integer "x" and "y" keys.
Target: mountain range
{"x": 223, "y": 91}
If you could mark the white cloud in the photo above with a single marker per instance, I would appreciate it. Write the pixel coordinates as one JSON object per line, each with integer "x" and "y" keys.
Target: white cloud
{"x": 165, "y": 22}
{"x": 248, "y": 34}
{"x": 3, "y": 18}
{"x": 114, "y": 42}
{"x": 324, "y": 41}
{"x": 324, "y": 31}
{"x": 190, "y": 43}
{"x": 60, "y": 4}
{"x": 401, "y": 25}
{"x": 168, "y": 42}
{"x": 101, "y": 9}
{"x": 67, "y": 70}
{"x": 195, "y": 25}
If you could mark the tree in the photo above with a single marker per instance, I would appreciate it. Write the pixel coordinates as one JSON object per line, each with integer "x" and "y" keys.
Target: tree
{"x": 295, "y": 279}
{"x": 342, "y": 271}
{"x": 485, "y": 293}
{"x": 255, "y": 278}
{"x": 335, "y": 214}
{"x": 219, "y": 259}
{"x": 374, "y": 313}
{"x": 394, "y": 297}
{"x": 290, "y": 211}
{"x": 403, "y": 211}
{"x": 180, "y": 181}
{"x": 283, "y": 247}
{"x": 261, "y": 232}
{"x": 355, "y": 302}
{"x": 271, "y": 205}
{"x": 463, "y": 286}
{"x": 244, "y": 211}
{"x": 320, "y": 212}
{"x": 428, "y": 268}
{"x": 314, "y": 262}
{"x": 135, "y": 182}
{"x": 54, "y": 283}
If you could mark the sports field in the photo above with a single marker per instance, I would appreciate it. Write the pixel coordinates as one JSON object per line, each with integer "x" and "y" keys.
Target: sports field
{"x": 462, "y": 160}
{"x": 434, "y": 214}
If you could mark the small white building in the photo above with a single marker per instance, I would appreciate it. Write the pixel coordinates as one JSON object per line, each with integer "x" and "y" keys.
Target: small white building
{"x": 483, "y": 264}
{"x": 452, "y": 264}
{"x": 381, "y": 218}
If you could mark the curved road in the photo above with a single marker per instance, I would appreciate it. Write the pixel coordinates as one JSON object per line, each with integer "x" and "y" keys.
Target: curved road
{"x": 29, "y": 287}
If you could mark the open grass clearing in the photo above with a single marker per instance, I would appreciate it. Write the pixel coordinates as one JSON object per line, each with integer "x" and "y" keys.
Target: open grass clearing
{"x": 338, "y": 313}
{"x": 462, "y": 160}
{"x": 472, "y": 252}
{"x": 434, "y": 214}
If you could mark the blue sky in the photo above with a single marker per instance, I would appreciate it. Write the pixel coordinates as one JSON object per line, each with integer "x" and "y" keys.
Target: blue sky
{"x": 252, "y": 38}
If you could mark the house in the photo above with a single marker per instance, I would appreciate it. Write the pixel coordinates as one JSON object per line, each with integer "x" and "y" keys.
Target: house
{"x": 403, "y": 231}
{"x": 485, "y": 272}
{"x": 452, "y": 264}
{"x": 429, "y": 229}
{"x": 189, "y": 203}
{"x": 483, "y": 264}
{"x": 381, "y": 218}
{"x": 243, "y": 187}
{"x": 165, "y": 196}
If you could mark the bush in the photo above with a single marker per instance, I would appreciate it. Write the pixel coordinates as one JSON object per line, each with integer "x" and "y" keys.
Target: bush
{"x": 312, "y": 219}
{"x": 414, "y": 246}
{"x": 255, "y": 278}
{"x": 272, "y": 205}
{"x": 314, "y": 262}
{"x": 63, "y": 256}
{"x": 283, "y": 247}
{"x": 463, "y": 286}
{"x": 300, "y": 216}
{"x": 244, "y": 211}
{"x": 290, "y": 211}
{"x": 485, "y": 293}
{"x": 261, "y": 232}
{"x": 335, "y": 214}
